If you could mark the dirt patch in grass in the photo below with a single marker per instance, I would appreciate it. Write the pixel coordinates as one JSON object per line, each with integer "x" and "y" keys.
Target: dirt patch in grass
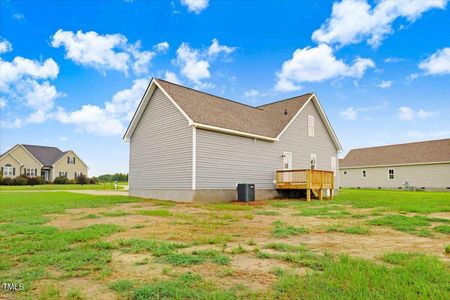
{"x": 372, "y": 246}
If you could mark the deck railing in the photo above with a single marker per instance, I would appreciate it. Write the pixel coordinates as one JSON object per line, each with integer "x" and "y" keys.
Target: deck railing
{"x": 305, "y": 179}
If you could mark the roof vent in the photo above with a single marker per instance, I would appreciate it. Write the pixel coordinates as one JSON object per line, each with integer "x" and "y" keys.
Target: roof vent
{"x": 285, "y": 111}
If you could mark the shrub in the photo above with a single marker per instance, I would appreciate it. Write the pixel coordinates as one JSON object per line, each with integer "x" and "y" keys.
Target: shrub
{"x": 35, "y": 180}
{"x": 93, "y": 180}
{"x": 20, "y": 180}
{"x": 82, "y": 179}
{"x": 71, "y": 181}
{"x": 60, "y": 180}
{"x": 7, "y": 181}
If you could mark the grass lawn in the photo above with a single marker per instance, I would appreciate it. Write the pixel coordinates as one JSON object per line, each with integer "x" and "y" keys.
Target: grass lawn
{"x": 363, "y": 245}
{"x": 43, "y": 187}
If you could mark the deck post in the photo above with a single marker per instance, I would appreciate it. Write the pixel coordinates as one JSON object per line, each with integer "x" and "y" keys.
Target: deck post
{"x": 308, "y": 195}
{"x": 320, "y": 194}
{"x": 331, "y": 194}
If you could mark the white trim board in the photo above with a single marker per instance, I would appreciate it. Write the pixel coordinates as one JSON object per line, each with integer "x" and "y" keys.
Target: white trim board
{"x": 395, "y": 165}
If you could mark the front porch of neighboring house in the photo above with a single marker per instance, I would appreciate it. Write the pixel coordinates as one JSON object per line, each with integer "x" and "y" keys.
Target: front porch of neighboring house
{"x": 8, "y": 170}
{"x": 312, "y": 181}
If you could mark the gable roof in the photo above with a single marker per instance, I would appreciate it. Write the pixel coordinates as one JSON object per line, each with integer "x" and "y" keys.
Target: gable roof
{"x": 216, "y": 113}
{"x": 45, "y": 155}
{"x": 410, "y": 153}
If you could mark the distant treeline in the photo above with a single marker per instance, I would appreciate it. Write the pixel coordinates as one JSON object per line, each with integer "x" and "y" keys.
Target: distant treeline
{"x": 113, "y": 177}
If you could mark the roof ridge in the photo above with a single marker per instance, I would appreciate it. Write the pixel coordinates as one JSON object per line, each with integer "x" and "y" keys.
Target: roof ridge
{"x": 399, "y": 144}
{"x": 209, "y": 94}
{"x": 287, "y": 99}
{"x": 41, "y": 146}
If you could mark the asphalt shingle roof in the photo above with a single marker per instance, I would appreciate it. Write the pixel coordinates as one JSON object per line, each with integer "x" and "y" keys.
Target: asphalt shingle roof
{"x": 266, "y": 120}
{"x": 47, "y": 156}
{"x": 410, "y": 153}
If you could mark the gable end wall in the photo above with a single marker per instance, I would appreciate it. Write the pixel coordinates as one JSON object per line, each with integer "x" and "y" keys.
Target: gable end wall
{"x": 160, "y": 149}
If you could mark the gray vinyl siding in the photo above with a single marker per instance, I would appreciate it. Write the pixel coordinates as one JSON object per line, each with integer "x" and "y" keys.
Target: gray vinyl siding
{"x": 224, "y": 160}
{"x": 161, "y": 147}
{"x": 428, "y": 176}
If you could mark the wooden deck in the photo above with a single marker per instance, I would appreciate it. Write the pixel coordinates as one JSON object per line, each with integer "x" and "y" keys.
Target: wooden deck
{"x": 313, "y": 181}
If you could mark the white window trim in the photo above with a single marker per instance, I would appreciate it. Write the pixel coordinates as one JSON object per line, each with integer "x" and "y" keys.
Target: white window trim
{"x": 311, "y": 125}
{"x": 8, "y": 170}
{"x": 393, "y": 174}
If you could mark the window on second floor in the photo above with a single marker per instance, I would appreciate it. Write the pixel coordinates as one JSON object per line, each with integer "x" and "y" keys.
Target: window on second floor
{"x": 310, "y": 125}
{"x": 70, "y": 160}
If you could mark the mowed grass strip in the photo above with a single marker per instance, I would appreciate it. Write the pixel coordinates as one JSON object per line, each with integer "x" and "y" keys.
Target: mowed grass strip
{"x": 400, "y": 201}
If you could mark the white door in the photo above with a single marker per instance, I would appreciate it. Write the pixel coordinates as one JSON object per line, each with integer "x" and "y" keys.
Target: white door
{"x": 287, "y": 165}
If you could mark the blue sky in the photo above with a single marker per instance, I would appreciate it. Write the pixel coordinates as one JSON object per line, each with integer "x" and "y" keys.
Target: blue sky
{"x": 72, "y": 72}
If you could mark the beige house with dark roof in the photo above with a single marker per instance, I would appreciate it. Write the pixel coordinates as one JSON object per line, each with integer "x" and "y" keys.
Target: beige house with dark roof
{"x": 186, "y": 145}
{"x": 48, "y": 162}
{"x": 420, "y": 165}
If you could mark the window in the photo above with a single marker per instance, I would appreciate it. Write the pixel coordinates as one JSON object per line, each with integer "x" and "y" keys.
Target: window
{"x": 345, "y": 172}
{"x": 63, "y": 174}
{"x": 75, "y": 175}
{"x": 31, "y": 172}
{"x": 312, "y": 159}
{"x": 8, "y": 170}
{"x": 70, "y": 160}
{"x": 333, "y": 164}
{"x": 391, "y": 174}
{"x": 310, "y": 125}
{"x": 364, "y": 174}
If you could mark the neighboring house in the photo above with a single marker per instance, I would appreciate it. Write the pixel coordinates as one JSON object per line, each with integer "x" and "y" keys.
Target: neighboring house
{"x": 186, "y": 145}
{"x": 48, "y": 162}
{"x": 421, "y": 165}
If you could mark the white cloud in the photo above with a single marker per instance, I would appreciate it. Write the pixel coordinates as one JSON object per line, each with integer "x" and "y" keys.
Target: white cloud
{"x": 5, "y": 46}
{"x": 216, "y": 49}
{"x": 317, "y": 64}
{"x": 110, "y": 119}
{"x": 3, "y": 102}
{"x": 393, "y": 59}
{"x": 21, "y": 67}
{"x": 161, "y": 47}
{"x": 195, "y": 6}
{"x": 251, "y": 93}
{"x": 438, "y": 63}
{"x": 172, "y": 77}
{"x": 24, "y": 82}
{"x": 352, "y": 113}
{"x": 407, "y": 113}
{"x": 18, "y": 16}
{"x": 103, "y": 52}
{"x": 384, "y": 84}
{"x": 412, "y": 76}
{"x": 349, "y": 113}
{"x": 353, "y": 21}
{"x": 11, "y": 123}
{"x": 192, "y": 66}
